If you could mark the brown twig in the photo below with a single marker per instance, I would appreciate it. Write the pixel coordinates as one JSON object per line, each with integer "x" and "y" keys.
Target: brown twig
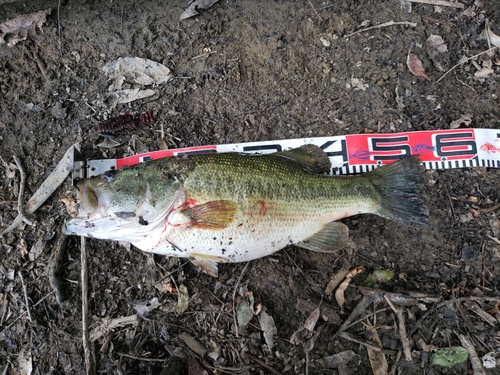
{"x": 359, "y": 340}
{"x": 477, "y": 367}
{"x": 21, "y": 191}
{"x": 88, "y": 353}
{"x": 463, "y": 61}
{"x": 4, "y": 372}
{"x": 262, "y": 363}
{"x": 443, "y": 3}
{"x": 444, "y": 303}
{"x": 25, "y": 292}
{"x": 385, "y": 24}
{"x": 55, "y": 261}
{"x": 24, "y": 313}
{"x": 234, "y": 298}
{"x": 315, "y": 11}
{"x": 47, "y": 187}
{"x": 402, "y": 328}
{"x": 143, "y": 358}
{"x": 358, "y": 310}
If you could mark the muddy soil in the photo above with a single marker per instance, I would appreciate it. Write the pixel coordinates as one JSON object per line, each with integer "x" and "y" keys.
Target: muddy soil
{"x": 247, "y": 71}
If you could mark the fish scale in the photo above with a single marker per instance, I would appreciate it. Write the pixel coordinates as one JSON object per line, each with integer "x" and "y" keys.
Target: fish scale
{"x": 231, "y": 207}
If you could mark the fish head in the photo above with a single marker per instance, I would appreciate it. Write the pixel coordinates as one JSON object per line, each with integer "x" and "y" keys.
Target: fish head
{"x": 119, "y": 204}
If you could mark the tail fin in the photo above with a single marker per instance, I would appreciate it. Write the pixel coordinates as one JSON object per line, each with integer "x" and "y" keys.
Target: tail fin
{"x": 397, "y": 185}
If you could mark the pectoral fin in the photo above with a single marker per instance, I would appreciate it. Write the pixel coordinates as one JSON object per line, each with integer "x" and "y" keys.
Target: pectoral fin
{"x": 207, "y": 263}
{"x": 212, "y": 215}
{"x": 332, "y": 237}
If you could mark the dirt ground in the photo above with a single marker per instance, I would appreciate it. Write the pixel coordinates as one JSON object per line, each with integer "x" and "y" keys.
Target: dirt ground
{"x": 248, "y": 71}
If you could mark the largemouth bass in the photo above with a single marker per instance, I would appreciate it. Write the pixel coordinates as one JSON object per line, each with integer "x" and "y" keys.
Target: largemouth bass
{"x": 237, "y": 207}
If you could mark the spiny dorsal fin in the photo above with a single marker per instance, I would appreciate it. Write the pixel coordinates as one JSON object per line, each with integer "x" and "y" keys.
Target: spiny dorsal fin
{"x": 311, "y": 157}
{"x": 212, "y": 215}
{"x": 332, "y": 237}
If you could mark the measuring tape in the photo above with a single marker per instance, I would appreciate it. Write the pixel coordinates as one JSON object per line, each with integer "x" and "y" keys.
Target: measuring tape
{"x": 349, "y": 154}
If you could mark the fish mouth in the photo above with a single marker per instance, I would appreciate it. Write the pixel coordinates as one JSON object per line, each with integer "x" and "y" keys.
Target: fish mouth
{"x": 99, "y": 217}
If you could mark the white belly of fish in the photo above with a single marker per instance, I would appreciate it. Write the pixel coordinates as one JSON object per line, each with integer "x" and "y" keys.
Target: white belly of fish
{"x": 240, "y": 242}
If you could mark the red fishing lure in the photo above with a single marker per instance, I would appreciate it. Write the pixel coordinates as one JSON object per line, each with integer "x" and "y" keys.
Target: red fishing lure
{"x": 126, "y": 121}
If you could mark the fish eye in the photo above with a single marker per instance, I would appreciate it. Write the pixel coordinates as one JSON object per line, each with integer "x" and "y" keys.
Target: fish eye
{"x": 109, "y": 176}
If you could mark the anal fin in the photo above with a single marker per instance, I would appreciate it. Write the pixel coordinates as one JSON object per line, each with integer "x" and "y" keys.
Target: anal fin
{"x": 212, "y": 215}
{"x": 332, "y": 237}
{"x": 207, "y": 263}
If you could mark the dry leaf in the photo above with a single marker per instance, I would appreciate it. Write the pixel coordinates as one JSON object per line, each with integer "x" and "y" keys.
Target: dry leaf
{"x": 311, "y": 321}
{"x": 378, "y": 361}
{"x": 192, "y": 9}
{"x": 268, "y": 327}
{"x": 305, "y": 331}
{"x": 415, "y": 66}
{"x": 193, "y": 344}
{"x": 144, "y": 308}
{"x": 183, "y": 299}
{"x": 494, "y": 309}
{"x": 71, "y": 205}
{"x": 493, "y": 39}
{"x": 23, "y": 247}
{"x": 245, "y": 309}
{"x": 134, "y": 70}
{"x": 438, "y": 52}
{"x": 339, "y": 293}
{"x": 465, "y": 119}
{"x": 25, "y": 363}
{"x": 483, "y": 72}
{"x": 195, "y": 368}
{"x": 17, "y": 29}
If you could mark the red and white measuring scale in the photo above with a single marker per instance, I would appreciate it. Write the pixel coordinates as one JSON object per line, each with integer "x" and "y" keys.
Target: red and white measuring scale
{"x": 349, "y": 154}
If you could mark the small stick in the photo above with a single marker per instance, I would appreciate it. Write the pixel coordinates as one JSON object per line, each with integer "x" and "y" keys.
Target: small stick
{"x": 315, "y": 11}
{"x": 358, "y": 310}
{"x": 359, "y": 340}
{"x": 262, "y": 363}
{"x": 477, "y": 367}
{"x": 439, "y": 2}
{"x": 53, "y": 271}
{"x": 144, "y": 358}
{"x": 386, "y": 24}
{"x": 89, "y": 358}
{"x": 24, "y": 313}
{"x": 21, "y": 191}
{"x": 59, "y": 19}
{"x": 402, "y": 329}
{"x": 6, "y": 368}
{"x": 234, "y": 297}
{"x": 461, "y": 62}
{"x": 25, "y": 292}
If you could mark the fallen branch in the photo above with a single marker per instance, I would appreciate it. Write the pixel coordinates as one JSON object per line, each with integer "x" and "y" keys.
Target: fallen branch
{"x": 25, "y": 292}
{"x": 21, "y": 192}
{"x": 443, "y": 3}
{"x": 386, "y": 24}
{"x": 45, "y": 190}
{"x": 53, "y": 271}
{"x": 463, "y": 61}
{"x": 88, "y": 353}
{"x": 477, "y": 367}
{"x": 262, "y": 363}
{"x": 359, "y": 340}
{"x": 234, "y": 298}
{"x": 402, "y": 328}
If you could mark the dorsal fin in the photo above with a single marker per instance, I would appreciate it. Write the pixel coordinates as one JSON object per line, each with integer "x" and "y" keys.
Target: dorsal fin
{"x": 312, "y": 157}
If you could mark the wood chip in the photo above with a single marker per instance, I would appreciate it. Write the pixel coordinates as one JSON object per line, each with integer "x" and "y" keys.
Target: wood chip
{"x": 193, "y": 344}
